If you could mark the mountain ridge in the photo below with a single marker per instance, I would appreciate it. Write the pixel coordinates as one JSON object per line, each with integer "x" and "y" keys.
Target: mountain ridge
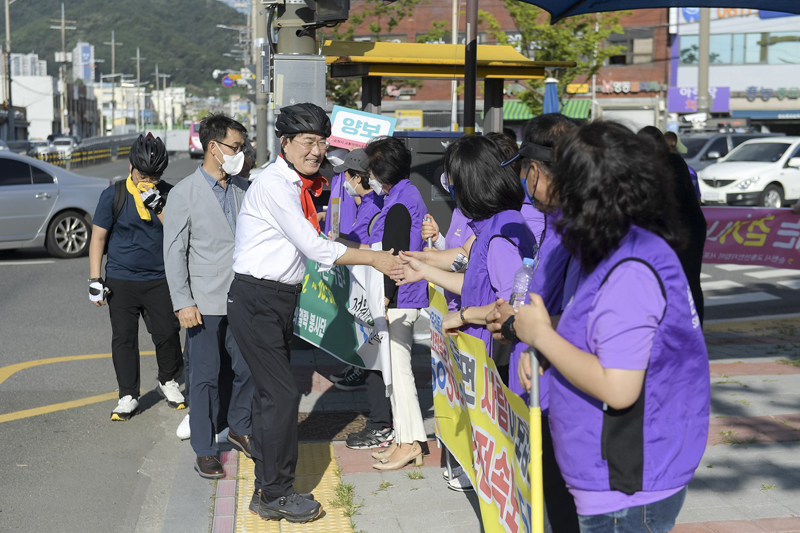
{"x": 179, "y": 35}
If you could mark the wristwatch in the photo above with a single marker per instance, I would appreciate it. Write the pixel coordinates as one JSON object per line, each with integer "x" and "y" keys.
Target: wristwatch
{"x": 507, "y": 330}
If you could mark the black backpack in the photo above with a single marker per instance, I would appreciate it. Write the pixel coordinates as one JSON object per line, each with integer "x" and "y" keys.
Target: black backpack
{"x": 121, "y": 196}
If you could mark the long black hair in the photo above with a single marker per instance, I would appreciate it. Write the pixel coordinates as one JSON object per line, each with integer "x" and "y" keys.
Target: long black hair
{"x": 483, "y": 187}
{"x": 607, "y": 178}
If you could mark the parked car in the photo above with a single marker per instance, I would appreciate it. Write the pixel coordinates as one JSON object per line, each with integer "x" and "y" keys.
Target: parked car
{"x": 44, "y": 205}
{"x": 760, "y": 172}
{"x": 19, "y": 147}
{"x": 704, "y": 149}
{"x": 195, "y": 147}
{"x": 40, "y": 148}
{"x": 65, "y": 145}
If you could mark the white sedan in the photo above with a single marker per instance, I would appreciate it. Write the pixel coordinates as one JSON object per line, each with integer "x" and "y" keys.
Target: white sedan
{"x": 760, "y": 172}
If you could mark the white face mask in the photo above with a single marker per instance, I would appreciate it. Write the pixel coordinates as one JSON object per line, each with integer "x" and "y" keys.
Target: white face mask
{"x": 376, "y": 187}
{"x": 233, "y": 163}
{"x": 350, "y": 189}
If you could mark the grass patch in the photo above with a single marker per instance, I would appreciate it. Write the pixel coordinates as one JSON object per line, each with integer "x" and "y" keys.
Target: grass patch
{"x": 735, "y": 441}
{"x": 765, "y": 486}
{"x": 743, "y": 402}
{"x": 728, "y": 433}
{"x": 709, "y": 466}
{"x": 415, "y": 474}
{"x": 790, "y": 362}
{"x": 729, "y": 381}
{"x": 385, "y": 485}
{"x": 768, "y": 380}
{"x": 345, "y": 493}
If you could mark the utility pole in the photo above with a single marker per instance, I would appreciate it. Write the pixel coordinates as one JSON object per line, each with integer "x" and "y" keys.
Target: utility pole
{"x": 12, "y": 136}
{"x": 113, "y": 45}
{"x": 139, "y": 60}
{"x": 264, "y": 135}
{"x": 703, "y": 101}
{"x": 454, "y": 83}
{"x": 164, "y": 95}
{"x": 471, "y": 67}
{"x": 62, "y": 71}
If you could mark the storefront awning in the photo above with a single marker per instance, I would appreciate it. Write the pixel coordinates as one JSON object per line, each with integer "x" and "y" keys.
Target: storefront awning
{"x": 577, "y": 108}
{"x": 514, "y": 110}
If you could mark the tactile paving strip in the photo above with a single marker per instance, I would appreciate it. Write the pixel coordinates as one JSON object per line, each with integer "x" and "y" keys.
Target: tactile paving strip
{"x": 316, "y": 473}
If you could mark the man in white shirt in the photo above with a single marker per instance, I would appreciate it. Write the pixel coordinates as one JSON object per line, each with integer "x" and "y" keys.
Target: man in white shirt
{"x": 276, "y": 232}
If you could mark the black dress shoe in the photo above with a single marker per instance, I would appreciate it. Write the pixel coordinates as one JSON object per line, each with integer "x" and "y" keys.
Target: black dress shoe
{"x": 241, "y": 442}
{"x": 209, "y": 467}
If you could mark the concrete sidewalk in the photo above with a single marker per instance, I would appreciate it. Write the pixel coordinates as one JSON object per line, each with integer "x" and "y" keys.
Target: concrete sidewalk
{"x": 748, "y": 481}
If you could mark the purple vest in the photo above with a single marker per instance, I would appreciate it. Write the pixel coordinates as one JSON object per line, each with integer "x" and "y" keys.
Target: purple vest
{"x": 657, "y": 443}
{"x": 477, "y": 290}
{"x": 413, "y": 295}
{"x": 347, "y": 205}
{"x": 369, "y": 208}
{"x": 548, "y": 282}
{"x": 458, "y": 234}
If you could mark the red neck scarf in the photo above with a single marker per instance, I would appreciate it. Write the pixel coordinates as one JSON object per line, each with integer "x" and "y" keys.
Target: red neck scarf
{"x": 311, "y": 186}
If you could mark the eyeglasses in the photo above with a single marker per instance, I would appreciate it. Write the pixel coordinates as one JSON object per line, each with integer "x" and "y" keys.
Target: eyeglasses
{"x": 309, "y": 145}
{"x": 236, "y": 149}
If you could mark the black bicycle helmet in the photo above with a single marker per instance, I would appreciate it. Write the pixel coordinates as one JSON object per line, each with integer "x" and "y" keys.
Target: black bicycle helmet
{"x": 149, "y": 155}
{"x": 302, "y": 118}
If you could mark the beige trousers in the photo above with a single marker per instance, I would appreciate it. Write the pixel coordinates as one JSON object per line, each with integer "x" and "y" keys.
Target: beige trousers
{"x": 408, "y": 426}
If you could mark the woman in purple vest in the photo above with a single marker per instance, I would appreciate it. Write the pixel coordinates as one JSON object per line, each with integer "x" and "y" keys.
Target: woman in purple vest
{"x": 399, "y": 227}
{"x": 630, "y": 389}
{"x": 490, "y": 195}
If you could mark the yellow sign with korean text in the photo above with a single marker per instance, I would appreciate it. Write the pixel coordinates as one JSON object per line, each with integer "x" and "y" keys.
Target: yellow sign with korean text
{"x": 488, "y": 428}
{"x": 577, "y": 88}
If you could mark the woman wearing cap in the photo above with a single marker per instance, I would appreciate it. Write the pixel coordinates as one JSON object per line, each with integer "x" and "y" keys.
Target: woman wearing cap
{"x": 630, "y": 390}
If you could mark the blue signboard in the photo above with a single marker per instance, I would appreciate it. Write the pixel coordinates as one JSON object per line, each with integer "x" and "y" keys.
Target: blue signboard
{"x": 763, "y": 14}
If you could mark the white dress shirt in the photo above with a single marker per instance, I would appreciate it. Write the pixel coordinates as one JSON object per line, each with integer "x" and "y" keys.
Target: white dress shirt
{"x": 273, "y": 237}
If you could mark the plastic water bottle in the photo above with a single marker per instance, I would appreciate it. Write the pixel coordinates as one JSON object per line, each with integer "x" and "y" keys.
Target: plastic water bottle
{"x": 522, "y": 282}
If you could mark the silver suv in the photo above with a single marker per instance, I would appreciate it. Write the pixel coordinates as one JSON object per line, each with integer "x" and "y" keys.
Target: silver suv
{"x": 705, "y": 149}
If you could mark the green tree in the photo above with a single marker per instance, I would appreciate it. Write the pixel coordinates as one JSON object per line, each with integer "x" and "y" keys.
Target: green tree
{"x": 581, "y": 39}
{"x": 381, "y": 20}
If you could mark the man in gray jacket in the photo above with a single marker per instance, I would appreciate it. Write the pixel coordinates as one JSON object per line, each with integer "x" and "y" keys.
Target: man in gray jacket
{"x": 199, "y": 229}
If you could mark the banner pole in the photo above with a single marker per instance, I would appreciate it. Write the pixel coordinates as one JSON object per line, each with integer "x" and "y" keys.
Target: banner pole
{"x": 535, "y": 463}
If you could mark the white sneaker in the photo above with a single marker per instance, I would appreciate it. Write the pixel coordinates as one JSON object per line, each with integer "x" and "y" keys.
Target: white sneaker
{"x": 184, "y": 432}
{"x": 460, "y": 483}
{"x": 172, "y": 393}
{"x": 126, "y": 408}
{"x": 457, "y": 471}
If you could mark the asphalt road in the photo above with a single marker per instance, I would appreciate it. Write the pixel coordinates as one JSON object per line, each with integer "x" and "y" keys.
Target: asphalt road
{"x": 73, "y": 470}
{"x": 69, "y": 469}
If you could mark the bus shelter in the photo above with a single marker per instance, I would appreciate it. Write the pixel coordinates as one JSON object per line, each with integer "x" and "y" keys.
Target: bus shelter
{"x": 372, "y": 61}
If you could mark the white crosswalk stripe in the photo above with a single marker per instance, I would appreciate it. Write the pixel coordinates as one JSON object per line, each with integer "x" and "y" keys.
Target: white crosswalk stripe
{"x": 718, "y": 290}
{"x": 774, "y": 273}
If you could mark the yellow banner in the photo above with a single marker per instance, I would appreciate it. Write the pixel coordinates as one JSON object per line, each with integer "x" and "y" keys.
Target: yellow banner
{"x": 488, "y": 428}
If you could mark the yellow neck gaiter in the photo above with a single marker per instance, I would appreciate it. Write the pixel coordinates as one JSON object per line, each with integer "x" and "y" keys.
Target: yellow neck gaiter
{"x": 136, "y": 191}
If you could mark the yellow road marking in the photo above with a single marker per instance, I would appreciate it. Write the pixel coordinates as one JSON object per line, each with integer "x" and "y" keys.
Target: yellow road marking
{"x": 8, "y": 371}
{"x": 316, "y": 472}
{"x": 16, "y": 415}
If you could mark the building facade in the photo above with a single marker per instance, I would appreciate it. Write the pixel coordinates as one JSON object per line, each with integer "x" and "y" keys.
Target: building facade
{"x": 27, "y": 65}
{"x": 754, "y": 66}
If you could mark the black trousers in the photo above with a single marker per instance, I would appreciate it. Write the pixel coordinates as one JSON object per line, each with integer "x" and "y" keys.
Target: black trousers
{"x": 126, "y": 302}
{"x": 380, "y": 407}
{"x": 558, "y": 502}
{"x": 261, "y": 319}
